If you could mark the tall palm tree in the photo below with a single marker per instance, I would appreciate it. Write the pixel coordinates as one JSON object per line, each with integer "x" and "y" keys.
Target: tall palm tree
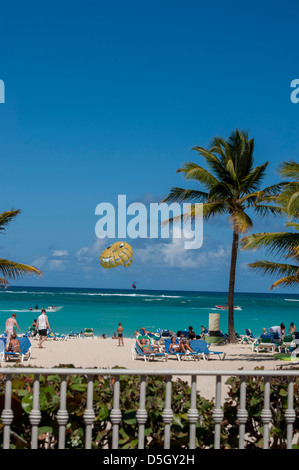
{"x": 281, "y": 243}
{"x": 230, "y": 185}
{"x": 11, "y": 269}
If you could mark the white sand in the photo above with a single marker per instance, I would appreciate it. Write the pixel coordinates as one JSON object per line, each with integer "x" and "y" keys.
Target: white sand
{"x": 105, "y": 353}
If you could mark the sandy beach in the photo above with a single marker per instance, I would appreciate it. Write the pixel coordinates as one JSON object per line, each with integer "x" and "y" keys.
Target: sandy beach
{"x": 105, "y": 353}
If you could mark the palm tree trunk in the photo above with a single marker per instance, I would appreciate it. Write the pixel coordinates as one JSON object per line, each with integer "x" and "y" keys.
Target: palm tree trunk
{"x": 231, "y": 290}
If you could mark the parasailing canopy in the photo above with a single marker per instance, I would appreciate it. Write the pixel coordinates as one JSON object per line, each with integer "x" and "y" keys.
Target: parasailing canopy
{"x": 117, "y": 254}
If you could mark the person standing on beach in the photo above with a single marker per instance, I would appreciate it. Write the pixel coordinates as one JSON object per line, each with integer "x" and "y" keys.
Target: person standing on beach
{"x": 11, "y": 322}
{"x": 292, "y": 328}
{"x": 43, "y": 327}
{"x": 120, "y": 335}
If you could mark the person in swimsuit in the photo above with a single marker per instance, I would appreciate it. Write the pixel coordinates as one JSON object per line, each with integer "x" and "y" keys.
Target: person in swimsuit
{"x": 14, "y": 344}
{"x": 185, "y": 345}
{"x": 120, "y": 335}
{"x": 174, "y": 346}
{"x": 11, "y": 322}
{"x": 146, "y": 348}
{"x": 292, "y": 328}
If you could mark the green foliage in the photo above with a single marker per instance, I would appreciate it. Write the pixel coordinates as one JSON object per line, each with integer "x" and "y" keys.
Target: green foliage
{"x": 254, "y": 405}
{"x": 22, "y": 392}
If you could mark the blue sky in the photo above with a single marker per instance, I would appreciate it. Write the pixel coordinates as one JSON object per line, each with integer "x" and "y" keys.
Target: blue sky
{"x": 108, "y": 98}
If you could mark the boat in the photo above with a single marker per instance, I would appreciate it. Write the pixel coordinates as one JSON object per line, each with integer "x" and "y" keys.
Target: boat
{"x": 48, "y": 309}
{"x": 225, "y": 307}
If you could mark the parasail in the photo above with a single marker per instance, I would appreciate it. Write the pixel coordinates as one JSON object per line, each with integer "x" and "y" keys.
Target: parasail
{"x": 117, "y": 254}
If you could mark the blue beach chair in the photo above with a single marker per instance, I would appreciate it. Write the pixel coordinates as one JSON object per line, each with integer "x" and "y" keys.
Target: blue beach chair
{"x": 180, "y": 355}
{"x": 56, "y": 336}
{"x": 164, "y": 333}
{"x": 201, "y": 347}
{"x": 25, "y": 347}
{"x": 137, "y": 353}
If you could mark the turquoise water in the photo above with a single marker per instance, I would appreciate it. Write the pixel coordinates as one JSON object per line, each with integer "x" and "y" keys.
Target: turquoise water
{"x": 103, "y": 309}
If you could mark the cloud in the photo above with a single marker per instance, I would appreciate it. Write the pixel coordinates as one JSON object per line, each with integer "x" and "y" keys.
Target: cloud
{"x": 60, "y": 253}
{"x": 57, "y": 265}
{"x": 50, "y": 262}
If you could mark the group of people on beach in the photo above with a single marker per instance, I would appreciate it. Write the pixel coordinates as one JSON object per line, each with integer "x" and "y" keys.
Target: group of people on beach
{"x": 42, "y": 327}
{"x": 280, "y": 330}
{"x": 180, "y": 343}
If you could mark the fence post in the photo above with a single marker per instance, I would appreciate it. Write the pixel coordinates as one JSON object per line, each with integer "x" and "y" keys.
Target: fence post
{"x": 218, "y": 413}
{"x": 89, "y": 415}
{"x": 266, "y": 413}
{"x": 193, "y": 414}
{"x": 62, "y": 414}
{"x": 115, "y": 414}
{"x": 290, "y": 414}
{"x": 141, "y": 415}
{"x": 167, "y": 414}
{"x": 35, "y": 414}
{"x": 242, "y": 413}
{"x": 7, "y": 414}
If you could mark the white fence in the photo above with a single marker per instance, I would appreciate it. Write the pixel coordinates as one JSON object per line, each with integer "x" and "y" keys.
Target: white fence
{"x": 141, "y": 416}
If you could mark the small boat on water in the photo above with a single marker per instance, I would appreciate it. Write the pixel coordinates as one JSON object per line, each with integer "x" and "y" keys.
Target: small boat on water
{"x": 49, "y": 309}
{"x": 225, "y": 307}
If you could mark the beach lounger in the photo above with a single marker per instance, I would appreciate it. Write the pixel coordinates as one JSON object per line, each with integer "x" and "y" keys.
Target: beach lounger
{"x": 155, "y": 336}
{"x": 287, "y": 343}
{"x": 88, "y": 333}
{"x": 201, "y": 347}
{"x": 248, "y": 337}
{"x": 73, "y": 335}
{"x": 25, "y": 347}
{"x": 137, "y": 353}
{"x": 180, "y": 355}
{"x": 56, "y": 336}
{"x": 164, "y": 333}
{"x": 265, "y": 343}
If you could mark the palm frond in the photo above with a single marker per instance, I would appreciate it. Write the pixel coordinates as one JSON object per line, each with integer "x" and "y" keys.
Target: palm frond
{"x": 290, "y": 281}
{"x": 279, "y": 242}
{"x": 290, "y": 272}
{"x": 15, "y": 271}
{"x": 185, "y": 195}
{"x": 263, "y": 209}
{"x": 192, "y": 171}
{"x": 3, "y": 282}
{"x": 7, "y": 217}
{"x": 272, "y": 268}
{"x": 289, "y": 169}
{"x": 242, "y": 221}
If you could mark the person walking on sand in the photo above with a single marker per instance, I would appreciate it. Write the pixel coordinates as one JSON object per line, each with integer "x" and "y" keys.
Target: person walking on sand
{"x": 120, "y": 335}
{"x": 43, "y": 327}
{"x": 11, "y": 322}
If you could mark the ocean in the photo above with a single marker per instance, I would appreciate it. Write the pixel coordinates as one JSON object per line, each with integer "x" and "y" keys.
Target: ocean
{"x": 103, "y": 309}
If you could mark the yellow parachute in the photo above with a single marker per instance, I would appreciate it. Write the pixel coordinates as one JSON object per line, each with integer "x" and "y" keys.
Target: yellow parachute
{"x": 117, "y": 254}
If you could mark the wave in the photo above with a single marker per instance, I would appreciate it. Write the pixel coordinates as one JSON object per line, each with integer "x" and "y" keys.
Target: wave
{"x": 29, "y": 292}
{"x": 15, "y": 310}
{"x": 101, "y": 294}
{"x": 292, "y": 300}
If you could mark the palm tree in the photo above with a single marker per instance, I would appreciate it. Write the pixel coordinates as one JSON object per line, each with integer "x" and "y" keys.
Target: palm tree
{"x": 11, "y": 269}
{"x": 281, "y": 243}
{"x": 230, "y": 185}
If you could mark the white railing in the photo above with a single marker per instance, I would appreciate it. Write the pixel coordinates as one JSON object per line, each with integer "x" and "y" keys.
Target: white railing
{"x": 141, "y": 416}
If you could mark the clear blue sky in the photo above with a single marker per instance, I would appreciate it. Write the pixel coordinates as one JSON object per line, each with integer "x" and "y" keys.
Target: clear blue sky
{"x": 107, "y": 98}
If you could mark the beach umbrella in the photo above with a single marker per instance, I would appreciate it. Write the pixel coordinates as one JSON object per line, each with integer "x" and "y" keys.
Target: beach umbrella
{"x": 117, "y": 254}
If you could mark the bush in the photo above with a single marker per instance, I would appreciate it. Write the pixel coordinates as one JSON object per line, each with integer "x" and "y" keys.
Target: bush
{"x": 22, "y": 390}
{"x": 254, "y": 405}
